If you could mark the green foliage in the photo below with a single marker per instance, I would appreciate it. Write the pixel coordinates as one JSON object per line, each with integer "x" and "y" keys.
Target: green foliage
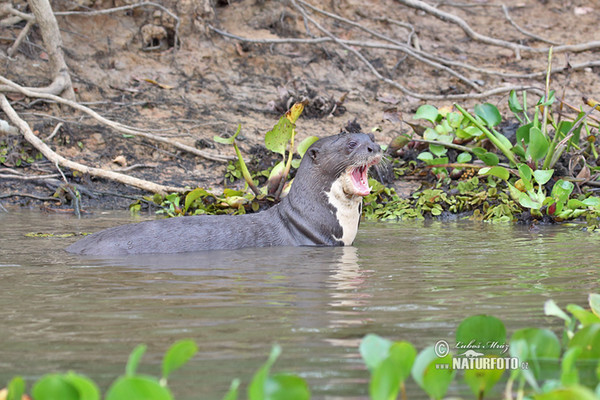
{"x": 390, "y": 364}
{"x": 431, "y": 375}
{"x": 178, "y": 355}
{"x": 16, "y": 388}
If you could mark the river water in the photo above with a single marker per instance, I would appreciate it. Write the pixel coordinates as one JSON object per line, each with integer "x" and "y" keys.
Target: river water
{"x": 410, "y": 281}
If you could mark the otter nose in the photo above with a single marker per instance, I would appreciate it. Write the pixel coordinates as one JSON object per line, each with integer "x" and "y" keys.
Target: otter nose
{"x": 373, "y": 148}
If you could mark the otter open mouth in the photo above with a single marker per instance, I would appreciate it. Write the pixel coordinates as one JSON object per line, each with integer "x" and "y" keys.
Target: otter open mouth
{"x": 360, "y": 180}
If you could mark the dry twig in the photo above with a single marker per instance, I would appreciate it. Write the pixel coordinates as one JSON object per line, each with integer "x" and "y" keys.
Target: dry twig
{"x": 115, "y": 125}
{"x": 60, "y": 160}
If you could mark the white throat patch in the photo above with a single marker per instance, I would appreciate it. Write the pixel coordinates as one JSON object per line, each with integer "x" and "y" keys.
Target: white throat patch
{"x": 348, "y": 209}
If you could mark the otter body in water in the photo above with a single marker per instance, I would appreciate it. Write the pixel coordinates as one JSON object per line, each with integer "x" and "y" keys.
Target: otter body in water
{"x": 322, "y": 209}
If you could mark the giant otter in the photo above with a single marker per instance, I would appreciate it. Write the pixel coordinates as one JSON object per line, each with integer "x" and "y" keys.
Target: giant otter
{"x": 322, "y": 209}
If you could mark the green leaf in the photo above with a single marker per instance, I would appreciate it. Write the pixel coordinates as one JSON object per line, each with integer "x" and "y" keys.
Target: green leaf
{"x": 526, "y": 201}
{"x": 403, "y": 353}
{"x": 454, "y": 119}
{"x": 478, "y": 151}
{"x": 54, "y": 387}
{"x": 256, "y": 389}
{"x": 385, "y": 381}
{"x": 588, "y": 338}
{"x": 497, "y": 171}
{"x": 514, "y": 192}
{"x": 432, "y": 379}
{"x": 574, "y": 204}
{"x": 437, "y": 150}
{"x": 305, "y": 144}
{"x": 438, "y": 161}
{"x": 569, "y": 393}
{"x": 594, "y": 300}
{"x": 134, "y": 359}
{"x": 232, "y": 393}
{"x": 389, "y": 374}
{"x": 87, "y": 389}
{"x": 489, "y": 159}
{"x": 526, "y": 173}
{"x": 513, "y": 103}
{"x": 286, "y": 387}
{"x": 177, "y": 355}
{"x": 542, "y": 176}
{"x": 523, "y": 133}
{"x": 468, "y": 132}
{"x": 481, "y": 329}
{"x": 549, "y": 101}
{"x": 430, "y": 134}
{"x": 464, "y": 157}
{"x": 542, "y": 349}
{"x": 374, "y": 349}
{"x": 569, "y": 374}
{"x": 481, "y": 381}
{"x": 137, "y": 388}
{"x": 538, "y": 144}
{"x": 519, "y": 150}
{"x": 584, "y": 317}
{"x": 193, "y": 196}
{"x": 553, "y": 310}
{"x": 592, "y": 202}
{"x": 488, "y": 113}
{"x": 278, "y": 138}
{"x": 562, "y": 190}
{"x": 229, "y": 140}
{"x": 425, "y": 156}
{"x": 427, "y": 112}
{"x": 16, "y": 388}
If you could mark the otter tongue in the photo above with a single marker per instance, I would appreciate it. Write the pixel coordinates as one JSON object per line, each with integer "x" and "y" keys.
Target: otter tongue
{"x": 360, "y": 181}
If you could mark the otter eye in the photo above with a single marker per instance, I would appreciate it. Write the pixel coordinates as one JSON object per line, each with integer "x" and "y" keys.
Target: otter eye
{"x": 352, "y": 144}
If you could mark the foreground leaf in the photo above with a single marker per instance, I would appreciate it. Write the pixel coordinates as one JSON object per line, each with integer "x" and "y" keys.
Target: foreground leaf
{"x": 177, "y": 355}
{"x": 137, "y": 388}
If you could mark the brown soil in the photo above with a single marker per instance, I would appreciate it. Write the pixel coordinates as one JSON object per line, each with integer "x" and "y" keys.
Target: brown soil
{"x": 211, "y": 84}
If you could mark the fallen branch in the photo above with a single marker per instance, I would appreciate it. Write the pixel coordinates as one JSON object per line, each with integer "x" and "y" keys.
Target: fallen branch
{"x": 60, "y": 160}
{"x": 115, "y": 125}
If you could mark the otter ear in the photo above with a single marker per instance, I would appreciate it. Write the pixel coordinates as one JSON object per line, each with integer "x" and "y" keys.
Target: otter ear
{"x": 312, "y": 153}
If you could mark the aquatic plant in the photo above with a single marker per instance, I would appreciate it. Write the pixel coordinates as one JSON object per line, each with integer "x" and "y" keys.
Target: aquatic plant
{"x": 280, "y": 139}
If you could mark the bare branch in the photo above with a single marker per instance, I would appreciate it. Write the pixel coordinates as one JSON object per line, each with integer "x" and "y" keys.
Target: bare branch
{"x": 347, "y": 43}
{"x": 523, "y": 31}
{"x": 60, "y": 160}
{"x": 115, "y": 125}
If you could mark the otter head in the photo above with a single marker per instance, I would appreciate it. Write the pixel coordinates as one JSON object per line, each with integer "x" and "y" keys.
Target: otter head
{"x": 333, "y": 175}
{"x": 345, "y": 159}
